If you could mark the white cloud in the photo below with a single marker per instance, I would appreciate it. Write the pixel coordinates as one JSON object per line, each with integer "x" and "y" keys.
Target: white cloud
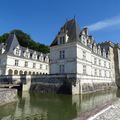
{"x": 104, "y": 24}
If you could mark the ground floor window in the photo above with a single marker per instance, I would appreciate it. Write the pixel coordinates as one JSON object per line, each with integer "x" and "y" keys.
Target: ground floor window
{"x": 15, "y": 72}
{"x": 61, "y": 69}
{"x": 10, "y": 72}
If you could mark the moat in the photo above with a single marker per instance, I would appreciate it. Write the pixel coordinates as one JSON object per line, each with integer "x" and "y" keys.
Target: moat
{"x": 54, "y": 107}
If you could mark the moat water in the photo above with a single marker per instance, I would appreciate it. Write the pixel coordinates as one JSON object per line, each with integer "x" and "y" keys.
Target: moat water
{"x": 54, "y": 107}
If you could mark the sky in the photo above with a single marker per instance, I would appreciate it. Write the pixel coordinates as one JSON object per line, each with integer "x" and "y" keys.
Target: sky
{"x": 42, "y": 19}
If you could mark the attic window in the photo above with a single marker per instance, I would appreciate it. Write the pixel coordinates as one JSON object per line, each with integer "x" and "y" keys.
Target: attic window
{"x": 62, "y": 40}
{"x": 17, "y": 51}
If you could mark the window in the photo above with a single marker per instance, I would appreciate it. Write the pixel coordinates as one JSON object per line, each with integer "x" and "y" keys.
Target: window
{"x": 99, "y": 62}
{"x": 100, "y": 73}
{"x": 105, "y": 74}
{"x": 62, "y": 40}
{"x": 27, "y": 55}
{"x": 109, "y": 74}
{"x": 84, "y": 69}
{"x": 34, "y": 65}
{"x": 62, "y": 54}
{"x": 61, "y": 67}
{"x": 40, "y": 66}
{"x": 109, "y": 65}
{"x": 17, "y": 52}
{"x": 16, "y": 62}
{"x": 84, "y": 55}
{"x": 104, "y": 63}
{"x": 26, "y": 64}
{"x": 95, "y": 61}
{"x": 95, "y": 72}
{"x": 46, "y": 67}
{"x": 34, "y": 56}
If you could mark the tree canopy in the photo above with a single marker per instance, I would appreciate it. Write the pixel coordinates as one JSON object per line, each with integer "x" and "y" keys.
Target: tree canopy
{"x": 26, "y": 41}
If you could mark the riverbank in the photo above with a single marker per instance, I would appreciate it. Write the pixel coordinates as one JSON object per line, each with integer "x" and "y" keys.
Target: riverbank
{"x": 7, "y": 96}
{"x": 110, "y": 113}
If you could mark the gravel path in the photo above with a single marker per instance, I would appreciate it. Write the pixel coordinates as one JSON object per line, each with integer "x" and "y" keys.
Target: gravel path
{"x": 110, "y": 113}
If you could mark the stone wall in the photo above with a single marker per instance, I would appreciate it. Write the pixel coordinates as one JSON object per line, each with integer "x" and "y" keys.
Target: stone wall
{"x": 51, "y": 87}
{"x": 82, "y": 86}
{"x": 7, "y": 96}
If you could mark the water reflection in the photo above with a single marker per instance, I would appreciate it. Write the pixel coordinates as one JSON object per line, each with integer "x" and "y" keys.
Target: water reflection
{"x": 54, "y": 107}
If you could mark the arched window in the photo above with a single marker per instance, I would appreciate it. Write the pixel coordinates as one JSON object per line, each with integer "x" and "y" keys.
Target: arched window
{"x": 25, "y": 73}
{"x": 33, "y": 73}
{"x": 29, "y": 73}
{"x": 10, "y": 72}
{"x": 16, "y": 72}
{"x": 21, "y": 72}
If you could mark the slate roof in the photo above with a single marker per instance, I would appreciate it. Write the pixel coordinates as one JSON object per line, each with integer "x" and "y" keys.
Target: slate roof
{"x": 11, "y": 44}
{"x": 72, "y": 29}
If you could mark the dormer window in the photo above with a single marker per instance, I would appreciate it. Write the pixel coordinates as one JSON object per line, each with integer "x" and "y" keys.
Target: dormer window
{"x": 61, "y": 40}
{"x": 83, "y": 39}
{"x": 26, "y": 54}
{"x": 17, "y": 52}
{"x": 34, "y": 57}
{"x": 41, "y": 57}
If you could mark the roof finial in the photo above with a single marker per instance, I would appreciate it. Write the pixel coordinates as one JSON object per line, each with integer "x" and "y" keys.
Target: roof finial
{"x": 74, "y": 17}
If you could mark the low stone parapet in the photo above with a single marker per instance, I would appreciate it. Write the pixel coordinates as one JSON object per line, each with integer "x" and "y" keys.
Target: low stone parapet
{"x": 7, "y": 96}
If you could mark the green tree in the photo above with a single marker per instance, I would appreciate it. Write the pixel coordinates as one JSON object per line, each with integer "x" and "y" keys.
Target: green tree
{"x": 26, "y": 41}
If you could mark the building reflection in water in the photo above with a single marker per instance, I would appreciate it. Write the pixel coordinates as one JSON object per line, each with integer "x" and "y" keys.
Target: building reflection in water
{"x": 54, "y": 107}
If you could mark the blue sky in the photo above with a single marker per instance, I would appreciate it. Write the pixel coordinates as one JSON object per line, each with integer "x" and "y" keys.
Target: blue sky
{"x": 42, "y": 19}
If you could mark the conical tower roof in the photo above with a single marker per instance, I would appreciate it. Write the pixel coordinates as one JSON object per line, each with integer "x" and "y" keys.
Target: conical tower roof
{"x": 11, "y": 43}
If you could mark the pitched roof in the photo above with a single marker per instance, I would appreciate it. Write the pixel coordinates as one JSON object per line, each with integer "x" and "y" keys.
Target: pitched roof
{"x": 11, "y": 43}
{"x": 72, "y": 29}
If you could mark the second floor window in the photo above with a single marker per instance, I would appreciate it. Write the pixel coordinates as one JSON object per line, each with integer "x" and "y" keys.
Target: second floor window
{"x": 84, "y": 69}
{"x": 26, "y": 64}
{"x": 100, "y": 73}
{"x": 95, "y": 61}
{"x": 62, "y": 69}
{"x": 105, "y": 73}
{"x": 16, "y": 62}
{"x": 46, "y": 67}
{"x": 40, "y": 66}
{"x": 95, "y": 72}
{"x": 62, "y": 54}
{"x": 84, "y": 55}
{"x": 104, "y": 63}
{"x": 34, "y": 65}
{"x": 99, "y": 62}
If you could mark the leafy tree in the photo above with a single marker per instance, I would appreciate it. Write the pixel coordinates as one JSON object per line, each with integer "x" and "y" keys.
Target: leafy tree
{"x": 26, "y": 41}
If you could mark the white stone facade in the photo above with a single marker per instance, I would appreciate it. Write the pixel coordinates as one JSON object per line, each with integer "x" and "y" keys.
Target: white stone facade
{"x": 75, "y": 52}
{"x": 17, "y": 60}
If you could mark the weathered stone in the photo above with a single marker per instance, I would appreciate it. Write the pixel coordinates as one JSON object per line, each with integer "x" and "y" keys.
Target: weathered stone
{"x": 7, "y": 96}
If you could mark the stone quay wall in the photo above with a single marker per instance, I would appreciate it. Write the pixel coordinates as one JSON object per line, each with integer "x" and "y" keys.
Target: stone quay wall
{"x": 7, "y": 96}
{"x": 64, "y": 84}
{"x": 51, "y": 84}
